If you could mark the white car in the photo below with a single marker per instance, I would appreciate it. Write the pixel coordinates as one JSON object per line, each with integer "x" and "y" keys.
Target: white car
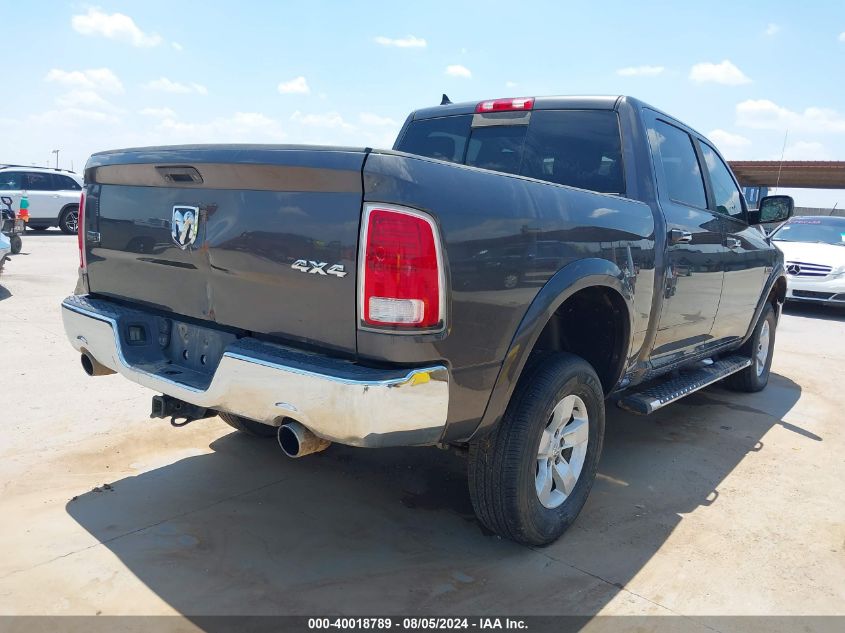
{"x": 814, "y": 255}
{"x": 53, "y": 195}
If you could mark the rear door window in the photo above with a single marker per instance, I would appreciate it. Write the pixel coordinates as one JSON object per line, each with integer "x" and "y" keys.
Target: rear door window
{"x": 35, "y": 181}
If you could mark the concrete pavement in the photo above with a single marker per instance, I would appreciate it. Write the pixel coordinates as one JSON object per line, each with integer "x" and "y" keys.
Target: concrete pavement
{"x": 721, "y": 504}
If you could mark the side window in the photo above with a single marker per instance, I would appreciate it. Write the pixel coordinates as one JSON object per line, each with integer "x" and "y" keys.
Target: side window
{"x": 66, "y": 183}
{"x": 728, "y": 201}
{"x": 10, "y": 181}
{"x": 677, "y": 155}
{"x": 34, "y": 181}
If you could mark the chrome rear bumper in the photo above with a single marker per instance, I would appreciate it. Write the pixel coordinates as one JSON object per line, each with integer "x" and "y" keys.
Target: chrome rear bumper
{"x": 339, "y": 401}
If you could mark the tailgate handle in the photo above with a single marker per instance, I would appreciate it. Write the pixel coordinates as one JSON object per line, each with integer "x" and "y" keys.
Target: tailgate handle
{"x": 179, "y": 174}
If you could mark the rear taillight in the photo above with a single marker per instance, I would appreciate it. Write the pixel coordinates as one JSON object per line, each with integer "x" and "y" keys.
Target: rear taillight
{"x": 401, "y": 281}
{"x": 80, "y": 231}
{"x": 505, "y": 105}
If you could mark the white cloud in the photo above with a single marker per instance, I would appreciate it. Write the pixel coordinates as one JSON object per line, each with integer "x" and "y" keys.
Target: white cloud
{"x": 728, "y": 141}
{"x": 456, "y": 70}
{"x": 114, "y": 26}
{"x": 297, "y": 85}
{"x": 163, "y": 84}
{"x": 84, "y": 99}
{"x": 73, "y": 117}
{"x": 725, "y": 73}
{"x": 641, "y": 71}
{"x": 842, "y": 36}
{"x": 92, "y": 79}
{"x": 158, "y": 113}
{"x": 241, "y": 127}
{"x": 403, "y": 42}
{"x": 762, "y": 114}
{"x": 804, "y": 150}
{"x": 329, "y": 120}
{"x": 176, "y": 46}
{"x": 368, "y": 118}
{"x": 772, "y": 29}
{"x": 511, "y": 84}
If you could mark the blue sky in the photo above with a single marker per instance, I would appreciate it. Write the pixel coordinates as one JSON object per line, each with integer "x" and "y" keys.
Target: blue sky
{"x": 85, "y": 77}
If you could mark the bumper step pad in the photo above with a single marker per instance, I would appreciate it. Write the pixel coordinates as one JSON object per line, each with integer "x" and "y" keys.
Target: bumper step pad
{"x": 658, "y": 393}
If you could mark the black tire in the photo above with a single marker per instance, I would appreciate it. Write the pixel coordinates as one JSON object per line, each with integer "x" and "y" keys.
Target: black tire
{"x": 250, "y": 427}
{"x": 68, "y": 220}
{"x": 754, "y": 377}
{"x": 503, "y": 464}
{"x": 16, "y": 243}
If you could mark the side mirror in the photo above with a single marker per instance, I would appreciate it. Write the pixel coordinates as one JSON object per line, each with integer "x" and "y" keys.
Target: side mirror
{"x": 772, "y": 209}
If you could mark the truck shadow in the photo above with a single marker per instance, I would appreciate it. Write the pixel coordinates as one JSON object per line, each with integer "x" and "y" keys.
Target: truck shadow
{"x": 244, "y": 530}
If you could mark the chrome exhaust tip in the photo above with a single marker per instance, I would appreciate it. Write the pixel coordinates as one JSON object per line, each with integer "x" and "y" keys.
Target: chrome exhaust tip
{"x": 296, "y": 440}
{"x": 92, "y": 367}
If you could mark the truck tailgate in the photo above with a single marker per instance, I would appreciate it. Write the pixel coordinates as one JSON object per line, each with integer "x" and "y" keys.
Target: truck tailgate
{"x": 275, "y": 244}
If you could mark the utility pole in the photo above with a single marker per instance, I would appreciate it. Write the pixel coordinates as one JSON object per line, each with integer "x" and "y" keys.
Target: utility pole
{"x": 56, "y": 152}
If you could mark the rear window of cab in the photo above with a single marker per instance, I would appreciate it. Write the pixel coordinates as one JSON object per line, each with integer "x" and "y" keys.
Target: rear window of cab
{"x": 579, "y": 148}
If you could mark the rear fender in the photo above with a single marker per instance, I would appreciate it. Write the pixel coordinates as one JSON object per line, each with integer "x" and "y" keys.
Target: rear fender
{"x": 578, "y": 275}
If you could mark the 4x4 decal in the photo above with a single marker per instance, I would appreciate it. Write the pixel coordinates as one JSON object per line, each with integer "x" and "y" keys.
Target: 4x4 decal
{"x": 319, "y": 268}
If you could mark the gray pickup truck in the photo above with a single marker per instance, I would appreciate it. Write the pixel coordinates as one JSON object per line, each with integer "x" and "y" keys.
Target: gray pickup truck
{"x": 488, "y": 284}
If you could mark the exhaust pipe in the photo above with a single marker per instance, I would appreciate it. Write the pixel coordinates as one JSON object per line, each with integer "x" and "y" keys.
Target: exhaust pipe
{"x": 92, "y": 367}
{"x": 297, "y": 441}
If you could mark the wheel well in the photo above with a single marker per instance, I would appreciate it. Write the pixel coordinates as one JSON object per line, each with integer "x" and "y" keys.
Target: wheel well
{"x": 68, "y": 206}
{"x": 593, "y": 324}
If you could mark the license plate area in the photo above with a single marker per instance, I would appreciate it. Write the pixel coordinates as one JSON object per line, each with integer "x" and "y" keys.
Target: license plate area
{"x": 195, "y": 347}
{"x": 178, "y": 351}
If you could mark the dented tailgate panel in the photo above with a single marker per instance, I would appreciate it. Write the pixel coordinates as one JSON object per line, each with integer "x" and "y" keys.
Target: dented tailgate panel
{"x": 261, "y": 241}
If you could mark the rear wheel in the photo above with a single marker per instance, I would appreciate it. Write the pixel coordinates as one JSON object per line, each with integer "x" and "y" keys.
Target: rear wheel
{"x": 16, "y": 244}
{"x": 250, "y": 427}
{"x": 68, "y": 222}
{"x": 759, "y": 348}
{"x": 530, "y": 477}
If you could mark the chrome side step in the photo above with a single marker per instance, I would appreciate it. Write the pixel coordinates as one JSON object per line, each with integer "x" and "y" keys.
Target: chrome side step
{"x": 662, "y": 391}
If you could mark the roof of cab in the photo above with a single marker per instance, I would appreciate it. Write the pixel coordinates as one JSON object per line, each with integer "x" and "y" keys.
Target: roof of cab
{"x": 540, "y": 103}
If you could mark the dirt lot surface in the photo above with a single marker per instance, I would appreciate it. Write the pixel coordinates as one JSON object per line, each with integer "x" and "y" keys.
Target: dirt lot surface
{"x": 724, "y": 503}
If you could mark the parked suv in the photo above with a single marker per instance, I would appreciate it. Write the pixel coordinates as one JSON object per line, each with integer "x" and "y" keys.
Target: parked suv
{"x": 53, "y": 195}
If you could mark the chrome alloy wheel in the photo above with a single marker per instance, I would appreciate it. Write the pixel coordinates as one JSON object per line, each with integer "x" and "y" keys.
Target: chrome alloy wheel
{"x": 562, "y": 450}
{"x": 762, "y": 352}
{"x": 72, "y": 221}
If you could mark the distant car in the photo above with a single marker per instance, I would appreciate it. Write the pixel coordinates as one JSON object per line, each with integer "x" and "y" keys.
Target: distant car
{"x": 814, "y": 253}
{"x": 53, "y": 195}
